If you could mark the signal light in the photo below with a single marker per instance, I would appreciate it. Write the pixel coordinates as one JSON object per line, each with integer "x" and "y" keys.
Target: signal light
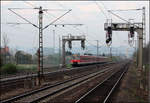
{"x": 132, "y": 32}
{"x": 83, "y": 44}
{"x": 109, "y": 35}
{"x": 70, "y": 44}
{"x": 109, "y": 30}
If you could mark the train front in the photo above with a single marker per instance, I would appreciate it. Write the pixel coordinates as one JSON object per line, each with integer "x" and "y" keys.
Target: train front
{"x": 75, "y": 61}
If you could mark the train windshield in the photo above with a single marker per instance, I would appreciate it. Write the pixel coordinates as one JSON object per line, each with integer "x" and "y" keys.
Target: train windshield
{"x": 76, "y": 57}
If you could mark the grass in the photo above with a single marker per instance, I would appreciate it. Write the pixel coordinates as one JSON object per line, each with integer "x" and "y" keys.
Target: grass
{"x": 69, "y": 66}
{"x": 26, "y": 67}
{"x": 134, "y": 72}
{"x": 13, "y": 68}
{"x": 8, "y": 69}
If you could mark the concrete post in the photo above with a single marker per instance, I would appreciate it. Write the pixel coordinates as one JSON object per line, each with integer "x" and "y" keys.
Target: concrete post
{"x": 140, "y": 54}
{"x": 63, "y": 53}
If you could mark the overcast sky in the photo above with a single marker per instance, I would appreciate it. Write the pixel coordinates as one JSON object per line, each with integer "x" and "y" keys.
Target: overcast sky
{"x": 92, "y": 14}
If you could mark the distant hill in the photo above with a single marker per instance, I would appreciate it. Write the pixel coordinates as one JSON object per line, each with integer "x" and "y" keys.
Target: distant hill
{"x": 90, "y": 49}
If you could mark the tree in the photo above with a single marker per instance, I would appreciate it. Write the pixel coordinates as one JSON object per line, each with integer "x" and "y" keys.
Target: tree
{"x": 68, "y": 53}
{"x": 23, "y": 58}
{"x": 5, "y": 42}
{"x": 103, "y": 54}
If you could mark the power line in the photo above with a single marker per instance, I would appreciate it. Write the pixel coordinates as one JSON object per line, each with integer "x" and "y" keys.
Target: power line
{"x": 56, "y": 19}
{"x": 119, "y": 16}
{"x": 61, "y": 20}
{"x": 104, "y": 6}
{"x": 74, "y": 18}
{"x": 91, "y": 43}
{"x": 23, "y": 18}
{"x": 29, "y": 4}
{"x": 126, "y": 10}
{"x": 101, "y": 9}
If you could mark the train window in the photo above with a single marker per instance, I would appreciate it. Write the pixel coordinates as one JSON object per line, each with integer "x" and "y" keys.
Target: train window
{"x": 75, "y": 57}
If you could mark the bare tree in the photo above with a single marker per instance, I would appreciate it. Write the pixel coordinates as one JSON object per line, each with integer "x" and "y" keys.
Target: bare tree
{"x": 5, "y": 42}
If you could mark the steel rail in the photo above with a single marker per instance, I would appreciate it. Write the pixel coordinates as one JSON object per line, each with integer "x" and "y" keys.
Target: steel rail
{"x": 9, "y": 81}
{"x": 47, "y": 73}
{"x": 80, "y": 100}
{"x": 41, "y": 89}
{"x": 108, "y": 96}
{"x": 59, "y": 90}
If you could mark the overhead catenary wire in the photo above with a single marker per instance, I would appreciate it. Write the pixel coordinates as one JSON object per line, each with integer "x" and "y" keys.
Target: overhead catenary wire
{"x": 75, "y": 18}
{"x": 119, "y": 16}
{"x": 56, "y": 19}
{"x": 35, "y": 37}
{"x": 23, "y": 18}
{"x": 60, "y": 20}
{"x": 29, "y": 4}
{"x": 101, "y": 10}
{"x": 126, "y": 9}
{"x": 54, "y": 24}
{"x": 46, "y": 11}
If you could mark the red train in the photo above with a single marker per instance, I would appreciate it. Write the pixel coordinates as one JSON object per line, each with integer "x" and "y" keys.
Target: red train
{"x": 88, "y": 60}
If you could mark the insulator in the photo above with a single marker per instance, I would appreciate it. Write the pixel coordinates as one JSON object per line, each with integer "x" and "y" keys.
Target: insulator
{"x": 63, "y": 25}
{"x": 83, "y": 44}
{"x": 131, "y": 32}
{"x": 70, "y": 44}
{"x": 55, "y": 25}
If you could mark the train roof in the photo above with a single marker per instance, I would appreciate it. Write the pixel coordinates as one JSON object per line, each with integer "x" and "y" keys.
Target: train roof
{"x": 93, "y": 56}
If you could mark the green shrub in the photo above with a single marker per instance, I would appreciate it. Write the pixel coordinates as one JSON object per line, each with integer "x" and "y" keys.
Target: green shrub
{"x": 69, "y": 66}
{"x": 9, "y": 69}
{"x": 26, "y": 67}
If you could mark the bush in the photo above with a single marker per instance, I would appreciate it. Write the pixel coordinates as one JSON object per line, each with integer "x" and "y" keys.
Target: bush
{"x": 26, "y": 67}
{"x": 9, "y": 69}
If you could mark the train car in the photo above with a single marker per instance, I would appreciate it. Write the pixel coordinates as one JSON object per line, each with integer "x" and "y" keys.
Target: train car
{"x": 88, "y": 60}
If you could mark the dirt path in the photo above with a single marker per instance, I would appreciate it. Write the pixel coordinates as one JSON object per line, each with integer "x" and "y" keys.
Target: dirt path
{"x": 128, "y": 91}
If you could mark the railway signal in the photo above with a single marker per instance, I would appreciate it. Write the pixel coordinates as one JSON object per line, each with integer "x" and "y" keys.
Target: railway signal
{"x": 69, "y": 39}
{"x": 131, "y": 27}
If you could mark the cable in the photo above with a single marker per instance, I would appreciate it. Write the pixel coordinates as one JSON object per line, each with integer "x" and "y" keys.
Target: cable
{"x": 73, "y": 16}
{"x": 119, "y": 17}
{"x": 23, "y": 18}
{"x": 56, "y": 19}
{"x": 105, "y": 8}
{"x": 101, "y": 9}
{"x": 126, "y": 10}
{"x": 61, "y": 20}
{"x": 74, "y": 19}
{"x": 58, "y": 26}
{"x": 29, "y": 4}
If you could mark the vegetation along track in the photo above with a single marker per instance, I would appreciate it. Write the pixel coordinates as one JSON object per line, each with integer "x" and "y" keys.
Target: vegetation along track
{"x": 102, "y": 92}
{"x": 39, "y": 94}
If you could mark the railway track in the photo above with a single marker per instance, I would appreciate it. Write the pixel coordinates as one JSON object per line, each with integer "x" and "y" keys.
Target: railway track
{"x": 39, "y": 94}
{"x": 102, "y": 92}
{"x": 19, "y": 80}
